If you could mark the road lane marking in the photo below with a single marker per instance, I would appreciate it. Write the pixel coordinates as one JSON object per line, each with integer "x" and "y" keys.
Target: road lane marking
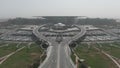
{"x": 58, "y": 57}
{"x": 47, "y": 58}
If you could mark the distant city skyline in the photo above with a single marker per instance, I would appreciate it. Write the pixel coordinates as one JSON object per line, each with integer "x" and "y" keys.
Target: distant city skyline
{"x": 89, "y": 8}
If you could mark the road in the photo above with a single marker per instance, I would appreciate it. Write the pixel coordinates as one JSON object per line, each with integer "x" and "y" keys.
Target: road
{"x": 58, "y": 54}
{"x": 110, "y": 33}
{"x": 58, "y": 57}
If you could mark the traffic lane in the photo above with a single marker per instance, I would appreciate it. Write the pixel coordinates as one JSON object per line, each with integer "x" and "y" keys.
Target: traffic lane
{"x": 64, "y": 59}
{"x": 52, "y": 60}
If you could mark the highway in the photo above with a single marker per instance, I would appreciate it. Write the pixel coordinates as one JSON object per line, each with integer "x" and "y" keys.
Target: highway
{"x": 110, "y": 33}
{"x": 81, "y": 33}
{"x": 58, "y": 54}
{"x": 58, "y": 57}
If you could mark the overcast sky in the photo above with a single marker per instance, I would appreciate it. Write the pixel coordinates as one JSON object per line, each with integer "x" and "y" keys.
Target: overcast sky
{"x": 90, "y": 8}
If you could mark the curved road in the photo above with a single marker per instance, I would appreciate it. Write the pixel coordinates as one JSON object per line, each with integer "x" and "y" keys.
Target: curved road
{"x": 58, "y": 55}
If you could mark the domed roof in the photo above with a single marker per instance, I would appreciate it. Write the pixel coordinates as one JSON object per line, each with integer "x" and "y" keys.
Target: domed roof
{"x": 59, "y": 24}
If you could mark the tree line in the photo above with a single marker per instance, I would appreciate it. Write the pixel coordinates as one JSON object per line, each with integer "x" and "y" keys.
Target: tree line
{"x": 61, "y": 19}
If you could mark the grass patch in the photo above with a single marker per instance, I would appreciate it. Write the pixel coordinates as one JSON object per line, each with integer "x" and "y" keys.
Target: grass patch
{"x": 93, "y": 58}
{"x": 114, "y": 51}
{"x": 2, "y": 43}
{"x": 73, "y": 57}
{"x": 24, "y": 58}
{"x": 7, "y": 49}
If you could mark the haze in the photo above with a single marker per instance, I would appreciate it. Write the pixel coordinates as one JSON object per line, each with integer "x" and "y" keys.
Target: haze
{"x": 90, "y": 8}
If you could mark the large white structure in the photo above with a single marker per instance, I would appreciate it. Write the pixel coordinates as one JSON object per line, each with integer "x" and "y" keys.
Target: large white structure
{"x": 59, "y": 26}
